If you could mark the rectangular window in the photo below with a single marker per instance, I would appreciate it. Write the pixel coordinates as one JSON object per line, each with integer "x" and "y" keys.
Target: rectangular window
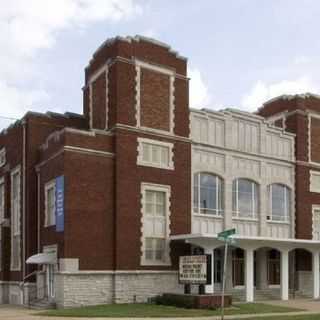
{"x": 50, "y": 204}
{"x": 15, "y": 219}
{"x": 2, "y": 157}
{"x": 155, "y": 214}
{"x": 1, "y": 216}
{"x": 315, "y": 181}
{"x": 155, "y": 153}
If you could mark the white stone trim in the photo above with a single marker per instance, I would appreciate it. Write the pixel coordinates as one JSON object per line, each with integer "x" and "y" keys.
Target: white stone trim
{"x": 154, "y": 67}
{"x": 141, "y": 64}
{"x": 137, "y": 97}
{"x": 15, "y": 171}
{"x": 311, "y": 187}
{"x": 168, "y": 145}
{"x": 89, "y": 151}
{"x": 151, "y": 131}
{"x": 49, "y": 185}
{"x": 162, "y": 188}
{"x": 314, "y": 230}
{"x": 2, "y": 157}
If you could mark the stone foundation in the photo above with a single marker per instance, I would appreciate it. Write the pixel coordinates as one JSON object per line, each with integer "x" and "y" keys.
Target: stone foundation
{"x": 11, "y": 292}
{"x": 92, "y": 288}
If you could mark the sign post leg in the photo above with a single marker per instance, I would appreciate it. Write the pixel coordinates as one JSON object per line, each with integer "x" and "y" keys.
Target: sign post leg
{"x": 224, "y": 278}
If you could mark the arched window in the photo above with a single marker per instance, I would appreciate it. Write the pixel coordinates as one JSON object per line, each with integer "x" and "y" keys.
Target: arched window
{"x": 279, "y": 197}
{"x": 245, "y": 198}
{"x": 207, "y": 194}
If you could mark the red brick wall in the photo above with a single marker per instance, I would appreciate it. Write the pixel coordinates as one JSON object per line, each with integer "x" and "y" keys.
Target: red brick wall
{"x": 155, "y": 100}
{"x": 154, "y": 86}
{"x": 12, "y": 141}
{"x": 129, "y": 177}
{"x": 315, "y": 139}
{"x": 99, "y": 102}
{"x": 89, "y": 210}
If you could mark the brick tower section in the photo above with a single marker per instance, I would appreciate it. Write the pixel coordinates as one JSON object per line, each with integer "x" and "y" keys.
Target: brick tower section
{"x": 137, "y": 88}
{"x": 299, "y": 114}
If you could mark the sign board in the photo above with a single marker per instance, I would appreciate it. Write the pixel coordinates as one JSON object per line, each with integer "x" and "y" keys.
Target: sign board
{"x": 195, "y": 269}
{"x": 60, "y": 204}
{"x": 226, "y": 234}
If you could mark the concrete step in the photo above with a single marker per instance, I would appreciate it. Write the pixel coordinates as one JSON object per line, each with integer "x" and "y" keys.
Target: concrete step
{"x": 42, "y": 304}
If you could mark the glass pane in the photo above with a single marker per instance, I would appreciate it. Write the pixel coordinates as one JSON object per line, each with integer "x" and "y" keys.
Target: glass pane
{"x": 208, "y": 193}
{"x": 160, "y": 210}
{"x": 165, "y": 156}
{"x": 149, "y": 196}
{"x": 245, "y": 198}
{"x": 280, "y": 202}
{"x": 155, "y": 154}
{"x": 149, "y": 208}
{"x": 146, "y": 152}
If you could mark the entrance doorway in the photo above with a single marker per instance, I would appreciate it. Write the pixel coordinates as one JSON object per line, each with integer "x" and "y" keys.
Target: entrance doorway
{"x": 273, "y": 267}
{"x": 238, "y": 268}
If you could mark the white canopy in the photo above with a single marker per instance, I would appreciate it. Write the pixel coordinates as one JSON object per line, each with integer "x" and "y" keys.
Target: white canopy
{"x": 42, "y": 258}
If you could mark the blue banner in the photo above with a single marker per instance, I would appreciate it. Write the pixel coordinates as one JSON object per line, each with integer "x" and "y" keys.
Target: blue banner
{"x": 60, "y": 204}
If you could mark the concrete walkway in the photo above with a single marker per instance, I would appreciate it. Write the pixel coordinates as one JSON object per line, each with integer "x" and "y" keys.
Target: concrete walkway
{"x": 8, "y": 312}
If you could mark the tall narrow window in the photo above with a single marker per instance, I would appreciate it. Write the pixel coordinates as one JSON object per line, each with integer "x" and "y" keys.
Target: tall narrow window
{"x": 50, "y": 204}
{"x": 245, "y": 199}
{"x": 15, "y": 220}
{"x": 1, "y": 216}
{"x": 155, "y": 224}
{"x": 207, "y": 194}
{"x": 279, "y": 196}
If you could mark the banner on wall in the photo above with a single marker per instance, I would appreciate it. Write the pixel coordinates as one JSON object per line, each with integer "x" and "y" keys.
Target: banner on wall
{"x": 60, "y": 204}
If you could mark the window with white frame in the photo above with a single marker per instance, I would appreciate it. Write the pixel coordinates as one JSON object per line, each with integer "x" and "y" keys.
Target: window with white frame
{"x": 2, "y": 157}
{"x": 155, "y": 212}
{"x": 155, "y": 153}
{"x": 245, "y": 201}
{"x": 50, "y": 204}
{"x": 315, "y": 181}
{"x": 279, "y": 197}
{"x": 1, "y": 215}
{"x": 15, "y": 220}
{"x": 207, "y": 194}
{"x": 316, "y": 222}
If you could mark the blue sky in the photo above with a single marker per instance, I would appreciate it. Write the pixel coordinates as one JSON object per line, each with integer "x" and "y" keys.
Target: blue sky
{"x": 240, "y": 53}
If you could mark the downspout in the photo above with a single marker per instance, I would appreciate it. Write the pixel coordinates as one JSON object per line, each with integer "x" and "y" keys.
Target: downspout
{"x": 24, "y": 142}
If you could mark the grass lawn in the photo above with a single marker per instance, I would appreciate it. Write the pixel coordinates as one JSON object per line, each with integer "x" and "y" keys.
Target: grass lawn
{"x": 150, "y": 310}
{"x": 302, "y": 317}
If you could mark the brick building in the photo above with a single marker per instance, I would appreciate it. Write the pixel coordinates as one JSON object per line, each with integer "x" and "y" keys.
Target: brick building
{"x": 97, "y": 208}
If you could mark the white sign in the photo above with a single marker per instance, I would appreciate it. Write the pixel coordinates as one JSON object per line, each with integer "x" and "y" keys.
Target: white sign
{"x": 193, "y": 269}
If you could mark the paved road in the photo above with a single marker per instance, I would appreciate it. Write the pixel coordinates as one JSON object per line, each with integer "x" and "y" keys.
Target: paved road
{"x": 18, "y": 313}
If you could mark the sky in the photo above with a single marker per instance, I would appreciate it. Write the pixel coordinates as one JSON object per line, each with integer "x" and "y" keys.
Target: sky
{"x": 240, "y": 52}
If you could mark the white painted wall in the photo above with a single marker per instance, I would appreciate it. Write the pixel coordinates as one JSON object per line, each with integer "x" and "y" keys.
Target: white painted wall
{"x": 235, "y": 144}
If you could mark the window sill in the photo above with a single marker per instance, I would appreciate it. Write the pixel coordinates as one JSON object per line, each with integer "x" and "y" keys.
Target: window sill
{"x": 153, "y": 165}
{"x": 245, "y": 219}
{"x": 208, "y": 215}
{"x": 278, "y": 222}
{"x": 155, "y": 263}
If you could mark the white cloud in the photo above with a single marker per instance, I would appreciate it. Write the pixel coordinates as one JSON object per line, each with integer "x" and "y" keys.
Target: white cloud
{"x": 199, "y": 96}
{"x": 261, "y": 91}
{"x": 28, "y": 26}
